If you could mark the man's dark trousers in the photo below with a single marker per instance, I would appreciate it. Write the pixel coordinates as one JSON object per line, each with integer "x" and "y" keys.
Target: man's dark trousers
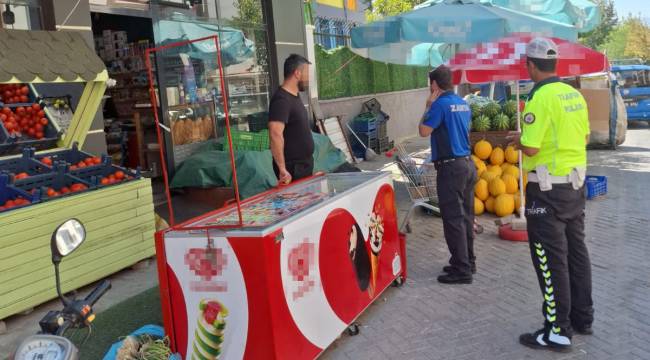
{"x": 455, "y": 186}
{"x": 556, "y": 221}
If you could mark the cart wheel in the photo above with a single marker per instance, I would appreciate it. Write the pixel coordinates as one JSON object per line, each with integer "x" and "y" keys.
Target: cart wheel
{"x": 408, "y": 227}
{"x": 399, "y": 281}
{"x": 353, "y": 330}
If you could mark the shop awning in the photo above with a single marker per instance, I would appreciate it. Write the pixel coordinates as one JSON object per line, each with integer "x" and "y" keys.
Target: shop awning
{"x": 504, "y": 60}
{"x": 48, "y": 56}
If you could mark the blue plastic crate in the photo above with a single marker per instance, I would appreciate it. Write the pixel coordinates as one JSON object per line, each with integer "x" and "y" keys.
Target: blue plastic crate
{"x": 93, "y": 175}
{"x": 24, "y": 163}
{"x": 6, "y": 146}
{"x": 595, "y": 186}
{"x": 8, "y": 192}
{"x": 71, "y": 156}
{"x": 57, "y": 180}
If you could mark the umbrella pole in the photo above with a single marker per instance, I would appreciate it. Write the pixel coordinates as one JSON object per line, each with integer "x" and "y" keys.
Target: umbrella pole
{"x": 521, "y": 158}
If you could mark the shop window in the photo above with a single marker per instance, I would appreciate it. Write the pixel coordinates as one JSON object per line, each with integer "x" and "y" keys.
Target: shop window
{"x": 21, "y": 15}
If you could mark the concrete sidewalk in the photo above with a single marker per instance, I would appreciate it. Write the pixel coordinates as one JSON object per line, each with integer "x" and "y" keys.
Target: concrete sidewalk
{"x": 426, "y": 320}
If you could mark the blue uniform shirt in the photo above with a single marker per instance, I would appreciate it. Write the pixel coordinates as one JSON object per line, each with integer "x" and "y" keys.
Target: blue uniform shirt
{"x": 451, "y": 119}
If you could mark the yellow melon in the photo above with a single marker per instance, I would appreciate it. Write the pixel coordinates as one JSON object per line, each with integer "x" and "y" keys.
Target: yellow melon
{"x": 489, "y": 175}
{"x": 482, "y": 149}
{"x": 479, "y": 208}
{"x": 497, "y": 157}
{"x": 479, "y": 164}
{"x": 512, "y": 185}
{"x": 504, "y": 167}
{"x": 512, "y": 170}
{"x": 512, "y": 155}
{"x": 489, "y": 204}
{"x": 497, "y": 187}
{"x": 495, "y": 169}
{"x": 504, "y": 205}
{"x": 481, "y": 189}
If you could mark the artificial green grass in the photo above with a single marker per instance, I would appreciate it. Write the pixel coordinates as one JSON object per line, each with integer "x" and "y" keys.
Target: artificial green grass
{"x": 118, "y": 321}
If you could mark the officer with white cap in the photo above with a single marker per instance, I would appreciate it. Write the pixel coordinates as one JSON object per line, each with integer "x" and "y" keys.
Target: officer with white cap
{"x": 554, "y": 137}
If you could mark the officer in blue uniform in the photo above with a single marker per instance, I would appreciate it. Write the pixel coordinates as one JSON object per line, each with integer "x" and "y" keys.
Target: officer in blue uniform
{"x": 447, "y": 119}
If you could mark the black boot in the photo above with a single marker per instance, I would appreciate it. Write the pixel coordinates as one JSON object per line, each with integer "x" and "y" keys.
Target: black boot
{"x": 455, "y": 278}
{"x": 546, "y": 338}
{"x": 449, "y": 269}
{"x": 583, "y": 329}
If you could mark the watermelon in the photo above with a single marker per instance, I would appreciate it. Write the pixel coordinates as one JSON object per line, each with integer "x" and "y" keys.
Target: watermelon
{"x": 481, "y": 123}
{"x": 510, "y": 108}
{"x": 513, "y": 122}
{"x": 501, "y": 122}
{"x": 476, "y": 110}
{"x": 491, "y": 110}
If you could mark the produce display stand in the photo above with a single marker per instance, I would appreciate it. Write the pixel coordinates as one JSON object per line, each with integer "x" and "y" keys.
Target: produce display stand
{"x": 117, "y": 212}
{"x": 282, "y": 274}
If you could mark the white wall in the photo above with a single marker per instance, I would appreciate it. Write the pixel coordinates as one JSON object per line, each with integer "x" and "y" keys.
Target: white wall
{"x": 404, "y": 107}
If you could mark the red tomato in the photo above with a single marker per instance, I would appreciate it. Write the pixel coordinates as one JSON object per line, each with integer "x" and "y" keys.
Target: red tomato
{"x": 22, "y": 175}
{"x": 97, "y": 160}
{"x": 50, "y": 192}
{"x": 38, "y": 127}
{"x": 81, "y": 165}
{"x": 119, "y": 175}
{"x": 41, "y": 113}
{"x": 10, "y": 126}
{"x": 36, "y": 107}
{"x": 6, "y": 110}
{"x": 44, "y": 121}
{"x": 24, "y": 90}
{"x": 47, "y": 161}
{"x": 8, "y": 94}
{"x": 31, "y": 132}
{"x": 3, "y": 117}
{"x": 105, "y": 181}
{"x": 20, "y": 110}
{"x": 65, "y": 190}
{"x": 10, "y": 204}
{"x": 40, "y": 135}
{"x": 24, "y": 99}
{"x": 73, "y": 167}
{"x": 89, "y": 161}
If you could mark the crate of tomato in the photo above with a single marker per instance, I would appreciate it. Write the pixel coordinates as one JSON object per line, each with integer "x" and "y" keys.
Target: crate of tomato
{"x": 54, "y": 184}
{"x": 14, "y": 198}
{"x": 24, "y": 123}
{"x": 105, "y": 175}
{"x": 74, "y": 158}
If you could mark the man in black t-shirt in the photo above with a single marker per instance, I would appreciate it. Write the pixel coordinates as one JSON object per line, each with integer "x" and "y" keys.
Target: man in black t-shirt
{"x": 292, "y": 144}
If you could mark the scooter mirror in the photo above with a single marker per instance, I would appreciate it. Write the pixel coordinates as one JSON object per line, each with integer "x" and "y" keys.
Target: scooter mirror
{"x": 67, "y": 237}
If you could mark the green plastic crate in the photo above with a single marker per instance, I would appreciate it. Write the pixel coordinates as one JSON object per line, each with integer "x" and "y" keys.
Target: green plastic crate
{"x": 252, "y": 141}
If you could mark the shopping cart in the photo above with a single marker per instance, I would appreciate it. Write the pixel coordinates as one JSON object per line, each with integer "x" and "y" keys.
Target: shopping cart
{"x": 420, "y": 183}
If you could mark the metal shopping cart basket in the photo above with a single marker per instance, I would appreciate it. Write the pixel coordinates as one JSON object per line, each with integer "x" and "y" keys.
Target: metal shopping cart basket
{"x": 420, "y": 183}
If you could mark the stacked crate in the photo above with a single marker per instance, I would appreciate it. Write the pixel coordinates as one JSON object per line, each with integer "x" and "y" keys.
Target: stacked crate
{"x": 371, "y": 127}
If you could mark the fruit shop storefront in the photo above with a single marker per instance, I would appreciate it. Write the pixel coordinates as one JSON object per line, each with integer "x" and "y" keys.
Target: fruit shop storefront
{"x": 51, "y": 86}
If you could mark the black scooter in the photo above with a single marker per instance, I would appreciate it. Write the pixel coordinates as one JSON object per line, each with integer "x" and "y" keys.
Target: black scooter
{"x": 50, "y": 343}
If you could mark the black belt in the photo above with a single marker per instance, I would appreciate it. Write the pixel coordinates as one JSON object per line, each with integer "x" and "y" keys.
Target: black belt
{"x": 446, "y": 161}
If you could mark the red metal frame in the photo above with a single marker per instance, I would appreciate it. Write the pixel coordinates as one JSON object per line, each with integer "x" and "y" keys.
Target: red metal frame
{"x": 154, "y": 104}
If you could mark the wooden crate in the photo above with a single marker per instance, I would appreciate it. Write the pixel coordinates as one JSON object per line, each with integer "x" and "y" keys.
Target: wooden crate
{"x": 120, "y": 225}
{"x": 496, "y": 138}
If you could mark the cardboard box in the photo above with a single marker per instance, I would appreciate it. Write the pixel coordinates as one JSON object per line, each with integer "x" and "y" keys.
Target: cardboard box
{"x": 598, "y": 104}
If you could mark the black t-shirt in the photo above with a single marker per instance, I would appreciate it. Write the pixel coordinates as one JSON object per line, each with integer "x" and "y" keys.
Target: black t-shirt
{"x": 289, "y": 109}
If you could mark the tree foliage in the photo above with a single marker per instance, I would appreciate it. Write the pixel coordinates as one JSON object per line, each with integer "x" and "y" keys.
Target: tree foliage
{"x": 630, "y": 39}
{"x": 379, "y": 9}
{"x": 608, "y": 22}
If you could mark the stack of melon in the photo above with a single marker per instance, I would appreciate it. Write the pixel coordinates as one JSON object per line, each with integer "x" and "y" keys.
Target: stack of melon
{"x": 497, "y": 188}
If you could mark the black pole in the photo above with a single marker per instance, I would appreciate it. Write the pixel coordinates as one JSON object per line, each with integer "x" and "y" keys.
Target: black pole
{"x": 58, "y": 284}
